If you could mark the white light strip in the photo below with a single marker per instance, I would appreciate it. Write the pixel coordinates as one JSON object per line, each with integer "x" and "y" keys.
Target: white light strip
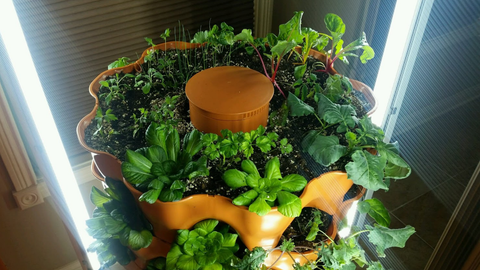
{"x": 16, "y": 46}
{"x": 404, "y": 17}
{"x": 350, "y": 217}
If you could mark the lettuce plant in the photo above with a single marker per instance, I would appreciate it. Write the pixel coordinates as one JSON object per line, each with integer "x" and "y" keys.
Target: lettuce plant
{"x": 204, "y": 247}
{"x": 162, "y": 168}
{"x": 267, "y": 191}
{"x": 117, "y": 225}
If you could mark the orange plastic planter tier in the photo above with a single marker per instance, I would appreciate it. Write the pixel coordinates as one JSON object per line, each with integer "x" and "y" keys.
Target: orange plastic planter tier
{"x": 237, "y": 99}
{"x": 234, "y": 98}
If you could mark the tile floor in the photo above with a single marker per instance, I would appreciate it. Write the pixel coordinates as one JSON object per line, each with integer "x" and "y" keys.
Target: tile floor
{"x": 426, "y": 207}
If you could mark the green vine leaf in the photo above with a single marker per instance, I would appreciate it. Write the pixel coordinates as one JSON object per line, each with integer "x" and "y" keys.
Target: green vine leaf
{"x": 366, "y": 170}
{"x": 298, "y": 107}
{"x": 384, "y": 238}
{"x": 325, "y": 150}
{"x": 375, "y": 208}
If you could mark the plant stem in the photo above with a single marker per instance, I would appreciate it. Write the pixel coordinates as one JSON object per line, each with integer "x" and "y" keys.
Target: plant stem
{"x": 357, "y": 233}
{"x": 270, "y": 267}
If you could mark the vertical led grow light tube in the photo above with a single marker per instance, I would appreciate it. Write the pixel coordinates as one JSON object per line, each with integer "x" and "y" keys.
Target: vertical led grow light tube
{"x": 396, "y": 47}
{"x": 19, "y": 53}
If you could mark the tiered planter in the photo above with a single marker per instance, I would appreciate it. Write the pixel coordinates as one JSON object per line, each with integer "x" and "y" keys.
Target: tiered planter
{"x": 325, "y": 192}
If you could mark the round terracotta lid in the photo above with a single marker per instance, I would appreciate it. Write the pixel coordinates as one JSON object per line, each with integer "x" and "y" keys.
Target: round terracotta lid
{"x": 229, "y": 90}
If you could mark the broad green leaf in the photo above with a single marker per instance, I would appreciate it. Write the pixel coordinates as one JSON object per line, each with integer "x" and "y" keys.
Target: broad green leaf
{"x": 98, "y": 198}
{"x": 291, "y": 30}
{"x": 192, "y": 143}
{"x": 376, "y": 210}
{"x": 234, "y": 178}
{"x": 245, "y": 35}
{"x": 397, "y": 167}
{"x": 325, "y": 150}
{"x": 300, "y": 71}
{"x": 367, "y": 54}
{"x": 260, "y": 207}
{"x": 138, "y": 240}
{"x": 186, "y": 262}
{"x": 249, "y": 167}
{"x": 138, "y": 161}
{"x": 272, "y": 169}
{"x": 229, "y": 240}
{"x": 289, "y": 204}
{"x": 384, "y": 238}
{"x": 264, "y": 143}
{"x": 208, "y": 225}
{"x": 169, "y": 195}
{"x": 150, "y": 196}
{"x": 182, "y": 236}
{"x": 336, "y": 26}
{"x": 298, "y": 107}
{"x": 282, "y": 48}
{"x": 366, "y": 170}
{"x": 324, "y": 104}
{"x": 246, "y": 198}
{"x": 133, "y": 174}
{"x": 342, "y": 114}
{"x": 293, "y": 182}
{"x": 172, "y": 144}
{"x": 156, "y": 153}
{"x": 173, "y": 255}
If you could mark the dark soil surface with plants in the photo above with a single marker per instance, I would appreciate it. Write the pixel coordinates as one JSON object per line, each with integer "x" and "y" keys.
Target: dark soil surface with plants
{"x": 127, "y": 131}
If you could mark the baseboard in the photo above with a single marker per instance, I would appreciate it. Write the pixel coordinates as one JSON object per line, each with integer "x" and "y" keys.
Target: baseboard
{"x": 75, "y": 265}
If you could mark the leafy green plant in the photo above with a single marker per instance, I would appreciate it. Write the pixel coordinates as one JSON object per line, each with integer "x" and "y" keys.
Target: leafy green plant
{"x": 115, "y": 85}
{"x": 117, "y": 225}
{"x": 147, "y": 80}
{"x": 306, "y": 88}
{"x": 336, "y": 27}
{"x": 204, "y": 247}
{"x": 101, "y": 119}
{"x": 361, "y": 135}
{"x": 289, "y": 36}
{"x": 161, "y": 169}
{"x": 120, "y": 62}
{"x": 267, "y": 191}
{"x": 230, "y": 147}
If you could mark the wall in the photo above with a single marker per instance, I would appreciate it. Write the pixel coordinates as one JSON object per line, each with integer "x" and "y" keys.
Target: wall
{"x": 34, "y": 238}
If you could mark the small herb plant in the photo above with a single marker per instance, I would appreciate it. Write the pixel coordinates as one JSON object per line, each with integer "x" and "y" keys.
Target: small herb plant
{"x": 115, "y": 86}
{"x": 117, "y": 224}
{"x": 204, "y": 247}
{"x": 230, "y": 147}
{"x": 101, "y": 120}
{"x": 161, "y": 169}
{"x": 267, "y": 191}
{"x": 120, "y": 62}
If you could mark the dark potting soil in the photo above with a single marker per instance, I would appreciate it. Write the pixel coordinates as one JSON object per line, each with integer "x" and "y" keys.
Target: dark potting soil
{"x": 127, "y": 132}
